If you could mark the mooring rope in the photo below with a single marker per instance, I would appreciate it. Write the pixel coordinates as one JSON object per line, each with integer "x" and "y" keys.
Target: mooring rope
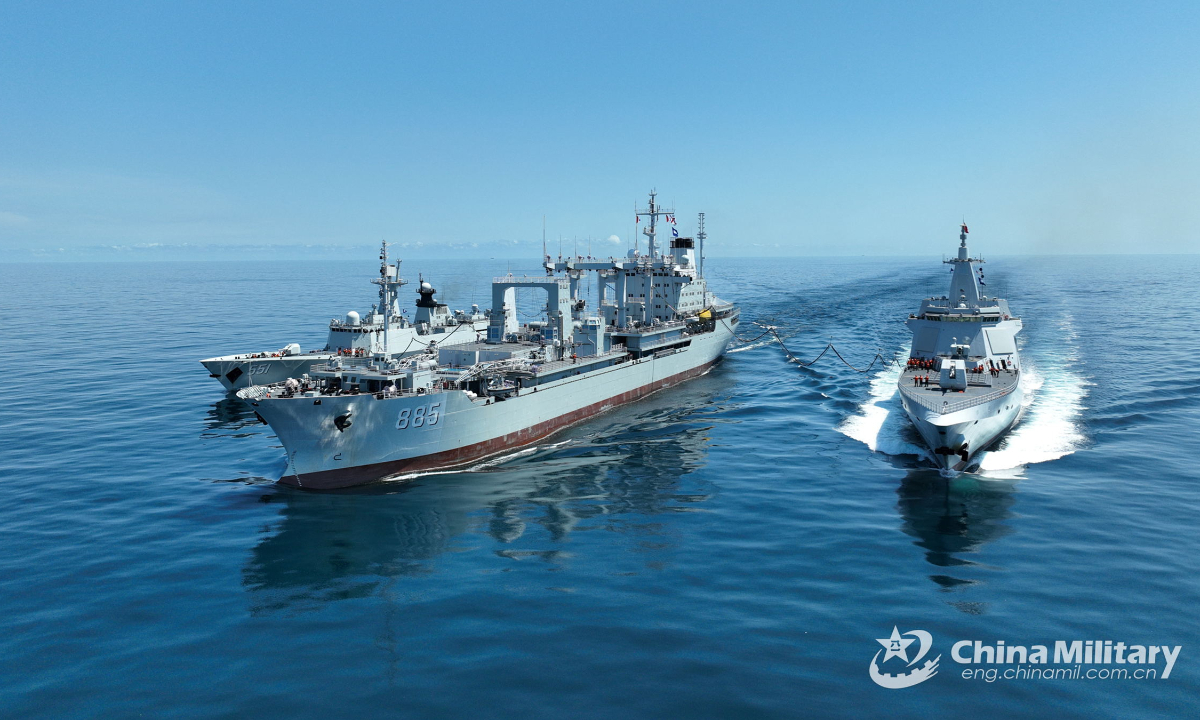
{"x": 770, "y": 330}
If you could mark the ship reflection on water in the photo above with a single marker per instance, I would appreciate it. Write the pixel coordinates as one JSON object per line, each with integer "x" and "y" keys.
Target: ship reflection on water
{"x": 614, "y": 472}
{"x": 229, "y": 416}
{"x": 952, "y": 518}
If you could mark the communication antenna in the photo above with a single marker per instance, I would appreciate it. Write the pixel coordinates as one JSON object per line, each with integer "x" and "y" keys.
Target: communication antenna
{"x": 700, "y": 236}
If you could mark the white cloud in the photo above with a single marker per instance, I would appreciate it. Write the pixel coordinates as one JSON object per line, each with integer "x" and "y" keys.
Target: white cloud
{"x": 614, "y": 239}
{"x": 12, "y": 218}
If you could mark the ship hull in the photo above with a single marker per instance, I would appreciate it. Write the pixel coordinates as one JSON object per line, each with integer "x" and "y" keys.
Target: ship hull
{"x": 334, "y": 479}
{"x": 236, "y": 371}
{"x": 455, "y": 429}
{"x": 956, "y": 439}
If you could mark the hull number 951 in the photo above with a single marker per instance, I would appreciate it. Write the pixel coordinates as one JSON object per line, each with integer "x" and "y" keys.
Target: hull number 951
{"x": 420, "y": 416}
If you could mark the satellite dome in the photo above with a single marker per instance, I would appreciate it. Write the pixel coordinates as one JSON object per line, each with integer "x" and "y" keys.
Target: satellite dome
{"x": 352, "y": 318}
{"x": 425, "y": 287}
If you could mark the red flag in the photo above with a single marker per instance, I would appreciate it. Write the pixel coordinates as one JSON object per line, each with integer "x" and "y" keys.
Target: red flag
{"x": 964, "y": 228}
{"x": 637, "y": 219}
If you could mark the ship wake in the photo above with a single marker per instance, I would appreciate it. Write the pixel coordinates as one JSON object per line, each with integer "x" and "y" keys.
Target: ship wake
{"x": 881, "y": 423}
{"x": 1050, "y": 428}
{"x": 483, "y": 465}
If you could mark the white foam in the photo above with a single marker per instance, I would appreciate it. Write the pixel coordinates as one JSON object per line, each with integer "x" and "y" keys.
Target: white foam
{"x": 1050, "y": 428}
{"x": 751, "y": 346}
{"x": 881, "y": 420}
{"x": 481, "y": 465}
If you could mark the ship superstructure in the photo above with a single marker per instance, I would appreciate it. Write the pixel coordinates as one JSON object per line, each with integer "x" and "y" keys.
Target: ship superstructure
{"x": 963, "y": 385}
{"x": 382, "y": 330}
{"x": 654, "y": 324}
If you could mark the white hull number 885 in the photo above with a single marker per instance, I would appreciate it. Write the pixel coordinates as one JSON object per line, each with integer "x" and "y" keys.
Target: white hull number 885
{"x": 419, "y": 416}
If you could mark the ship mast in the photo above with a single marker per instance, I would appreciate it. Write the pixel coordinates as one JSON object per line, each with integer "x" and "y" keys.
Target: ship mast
{"x": 653, "y": 211}
{"x": 384, "y": 300}
{"x": 545, "y": 255}
{"x": 388, "y": 288}
{"x": 964, "y": 288}
{"x": 700, "y": 236}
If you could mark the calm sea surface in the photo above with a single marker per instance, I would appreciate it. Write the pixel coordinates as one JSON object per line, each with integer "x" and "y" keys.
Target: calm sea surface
{"x": 729, "y": 548}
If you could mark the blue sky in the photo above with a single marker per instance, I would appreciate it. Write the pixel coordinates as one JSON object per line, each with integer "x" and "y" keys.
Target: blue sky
{"x": 823, "y": 128}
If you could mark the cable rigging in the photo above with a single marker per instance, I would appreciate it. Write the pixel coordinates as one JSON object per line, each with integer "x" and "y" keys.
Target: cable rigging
{"x": 792, "y": 357}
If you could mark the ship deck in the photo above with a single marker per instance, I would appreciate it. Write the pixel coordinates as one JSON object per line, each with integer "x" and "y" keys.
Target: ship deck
{"x": 981, "y": 388}
{"x": 523, "y": 350}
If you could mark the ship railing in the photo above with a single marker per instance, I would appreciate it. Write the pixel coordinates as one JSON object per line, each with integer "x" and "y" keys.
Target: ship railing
{"x": 535, "y": 279}
{"x": 645, "y": 328}
{"x": 364, "y": 368}
{"x": 983, "y": 379}
{"x": 439, "y": 387}
{"x": 363, "y": 365}
{"x": 939, "y": 404}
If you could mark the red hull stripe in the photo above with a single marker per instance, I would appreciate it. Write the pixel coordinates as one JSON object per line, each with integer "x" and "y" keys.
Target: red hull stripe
{"x": 364, "y": 474}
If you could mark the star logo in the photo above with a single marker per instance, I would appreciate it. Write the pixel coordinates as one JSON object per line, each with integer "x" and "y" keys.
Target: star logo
{"x": 896, "y": 646}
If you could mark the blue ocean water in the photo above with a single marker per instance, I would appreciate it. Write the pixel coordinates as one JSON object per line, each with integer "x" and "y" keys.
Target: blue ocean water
{"x": 729, "y": 548}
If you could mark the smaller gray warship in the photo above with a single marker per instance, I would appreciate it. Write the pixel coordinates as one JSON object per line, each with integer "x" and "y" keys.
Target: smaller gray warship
{"x": 382, "y": 331}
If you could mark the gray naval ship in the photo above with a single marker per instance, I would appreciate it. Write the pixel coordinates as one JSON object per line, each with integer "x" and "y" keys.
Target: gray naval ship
{"x": 382, "y": 330}
{"x": 963, "y": 386}
{"x": 353, "y": 421}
